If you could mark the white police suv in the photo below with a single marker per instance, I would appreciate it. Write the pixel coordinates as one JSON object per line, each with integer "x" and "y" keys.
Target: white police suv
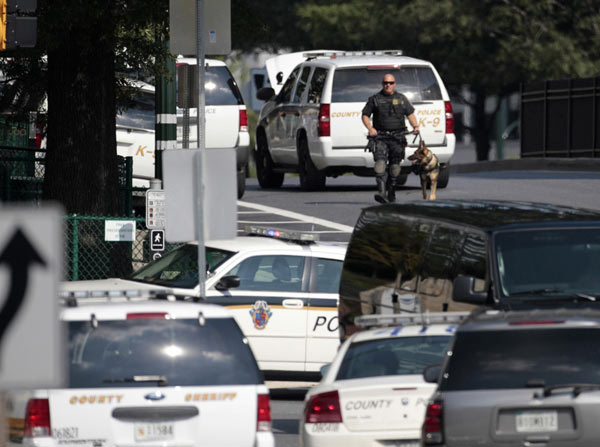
{"x": 226, "y": 123}
{"x": 313, "y": 125}
{"x": 144, "y": 372}
{"x": 373, "y": 393}
{"x": 283, "y": 291}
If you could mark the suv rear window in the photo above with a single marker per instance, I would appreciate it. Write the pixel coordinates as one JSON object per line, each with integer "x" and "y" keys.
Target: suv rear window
{"x": 512, "y": 359}
{"x": 392, "y": 356}
{"x": 182, "y": 351}
{"x": 357, "y": 84}
{"x": 220, "y": 89}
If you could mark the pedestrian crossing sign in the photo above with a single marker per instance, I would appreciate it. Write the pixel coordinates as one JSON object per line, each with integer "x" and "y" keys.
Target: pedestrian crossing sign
{"x": 157, "y": 240}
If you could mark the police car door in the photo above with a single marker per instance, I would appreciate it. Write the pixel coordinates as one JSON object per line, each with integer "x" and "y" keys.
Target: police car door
{"x": 322, "y": 340}
{"x": 270, "y": 306}
{"x": 277, "y": 121}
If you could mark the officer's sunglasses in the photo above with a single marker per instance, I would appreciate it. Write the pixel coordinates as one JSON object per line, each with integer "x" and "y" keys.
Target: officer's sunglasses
{"x": 388, "y": 82}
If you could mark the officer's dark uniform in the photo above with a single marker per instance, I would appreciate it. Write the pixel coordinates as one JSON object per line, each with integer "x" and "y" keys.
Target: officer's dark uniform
{"x": 388, "y": 119}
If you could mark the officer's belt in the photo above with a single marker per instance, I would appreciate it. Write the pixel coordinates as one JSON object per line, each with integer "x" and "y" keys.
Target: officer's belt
{"x": 392, "y": 133}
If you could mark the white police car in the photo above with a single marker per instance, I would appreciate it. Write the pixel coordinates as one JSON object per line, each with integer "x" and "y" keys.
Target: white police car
{"x": 313, "y": 126}
{"x": 283, "y": 292}
{"x": 373, "y": 393}
{"x": 145, "y": 371}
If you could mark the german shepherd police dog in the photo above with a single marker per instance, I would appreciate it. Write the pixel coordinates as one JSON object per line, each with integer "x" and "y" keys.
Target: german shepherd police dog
{"x": 427, "y": 167}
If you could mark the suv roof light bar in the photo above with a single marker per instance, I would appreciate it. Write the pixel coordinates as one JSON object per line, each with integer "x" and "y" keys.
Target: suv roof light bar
{"x": 293, "y": 236}
{"x": 423, "y": 319}
{"x": 72, "y": 298}
{"x": 334, "y": 54}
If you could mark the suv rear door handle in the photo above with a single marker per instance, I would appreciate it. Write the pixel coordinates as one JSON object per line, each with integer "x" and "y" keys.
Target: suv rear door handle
{"x": 293, "y": 304}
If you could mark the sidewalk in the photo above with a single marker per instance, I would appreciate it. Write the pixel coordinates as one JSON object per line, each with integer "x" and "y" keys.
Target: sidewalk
{"x": 465, "y": 161}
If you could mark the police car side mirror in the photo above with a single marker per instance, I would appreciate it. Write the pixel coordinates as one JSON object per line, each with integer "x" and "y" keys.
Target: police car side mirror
{"x": 463, "y": 291}
{"x": 265, "y": 93}
{"x": 228, "y": 282}
{"x": 431, "y": 373}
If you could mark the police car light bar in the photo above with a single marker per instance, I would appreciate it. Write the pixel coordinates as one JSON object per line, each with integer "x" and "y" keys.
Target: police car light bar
{"x": 72, "y": 298}
{"x": 334, "y": 54}
{"x": 297, "y": 236}
{"x": 410, "y": 319}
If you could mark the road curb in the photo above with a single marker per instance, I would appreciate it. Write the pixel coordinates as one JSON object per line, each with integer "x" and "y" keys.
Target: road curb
{"x": 529, "y": 164}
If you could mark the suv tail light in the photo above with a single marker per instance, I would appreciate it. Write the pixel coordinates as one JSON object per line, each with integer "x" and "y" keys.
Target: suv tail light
{"x": 324, "y": 407}
{"x": 324, "y": 121}
{"x": 37, "y": 418}
{"x": 243, "y": 120}
{"x": 433, "y": 425}
{"x": 449, "y": 117}
{"x": 263, "y": 416}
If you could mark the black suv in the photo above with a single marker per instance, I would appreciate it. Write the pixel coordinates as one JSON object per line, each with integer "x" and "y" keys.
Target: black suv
{"x": 456, "y": 254}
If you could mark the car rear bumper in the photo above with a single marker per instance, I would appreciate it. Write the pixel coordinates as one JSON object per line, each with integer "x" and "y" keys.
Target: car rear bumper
{"x": 324, "y": 155}
{"x": 328, "y": 435}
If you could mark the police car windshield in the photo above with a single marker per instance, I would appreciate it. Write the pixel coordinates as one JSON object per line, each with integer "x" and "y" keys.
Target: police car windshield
{"x": 542, "y": 262}
{"x": 392, "y": 356}
{"x": 179, "y": 268}
{"x": 357, "y": 84}
{"x": 173, "y": 352}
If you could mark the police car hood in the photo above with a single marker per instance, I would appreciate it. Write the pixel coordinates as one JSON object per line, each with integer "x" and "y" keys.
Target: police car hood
{"x": 285, "y": 63}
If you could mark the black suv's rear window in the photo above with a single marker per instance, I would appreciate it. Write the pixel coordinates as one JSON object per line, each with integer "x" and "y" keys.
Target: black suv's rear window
{"x": 518, "y": 358}
{"x": 392, "y": 356}
{"x": 118, "y": 353}
{"x": 357, "y": 84}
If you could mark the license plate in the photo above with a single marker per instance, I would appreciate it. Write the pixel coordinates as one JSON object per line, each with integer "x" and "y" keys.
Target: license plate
{"x": 537, "y": 421}
{"x": 153, "y": 431}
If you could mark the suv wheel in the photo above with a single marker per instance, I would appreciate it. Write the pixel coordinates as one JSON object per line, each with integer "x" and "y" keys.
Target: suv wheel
{"x": 444, "y": 176}
{"x": 401, "y": 180}
{"x": 311, "y": 179}
{"x": 241, "y": 183}
{"x": 264, "y": 165}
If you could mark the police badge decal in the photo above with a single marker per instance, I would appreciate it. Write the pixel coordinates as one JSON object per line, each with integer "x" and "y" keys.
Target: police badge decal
{"x": 260, "y": 313}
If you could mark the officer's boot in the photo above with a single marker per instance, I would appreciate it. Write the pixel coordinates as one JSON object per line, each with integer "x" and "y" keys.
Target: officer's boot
{"x": 380, "y": 194}
{"x": 391, "y": 190}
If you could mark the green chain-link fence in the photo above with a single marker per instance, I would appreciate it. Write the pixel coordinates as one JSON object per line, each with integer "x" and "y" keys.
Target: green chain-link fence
{"x": 90, "y": 256}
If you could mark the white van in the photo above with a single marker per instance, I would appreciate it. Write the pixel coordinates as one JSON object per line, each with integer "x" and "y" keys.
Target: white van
{"x": 226, "y": 124}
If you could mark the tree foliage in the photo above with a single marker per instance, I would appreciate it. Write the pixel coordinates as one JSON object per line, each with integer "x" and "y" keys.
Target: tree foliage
{"x": 488, "y": 45}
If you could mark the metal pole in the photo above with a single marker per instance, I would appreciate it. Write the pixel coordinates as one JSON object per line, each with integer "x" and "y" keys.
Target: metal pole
{"x": 166, "y": 114}
{"x": 200, "y": 156}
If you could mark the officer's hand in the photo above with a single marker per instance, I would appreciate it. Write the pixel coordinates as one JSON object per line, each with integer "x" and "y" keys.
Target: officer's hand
{"x": 415, "y": 130}
{"x": 372, "y": 132}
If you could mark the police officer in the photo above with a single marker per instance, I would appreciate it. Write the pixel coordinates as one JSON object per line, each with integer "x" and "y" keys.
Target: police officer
{"x": 388, "y": 108}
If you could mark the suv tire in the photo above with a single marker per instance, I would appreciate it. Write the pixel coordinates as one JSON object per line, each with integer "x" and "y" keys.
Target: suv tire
{"x": 241, "y": 183}
{"x": 311, "y": 179}
{"x": 444, "y": 176}
{"x": 267, "y": 178}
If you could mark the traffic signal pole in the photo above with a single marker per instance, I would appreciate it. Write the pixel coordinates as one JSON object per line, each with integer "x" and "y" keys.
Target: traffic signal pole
{"x": 166, "y": 115}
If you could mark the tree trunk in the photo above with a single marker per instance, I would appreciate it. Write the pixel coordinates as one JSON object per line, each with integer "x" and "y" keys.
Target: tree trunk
{"x": 81, "y": 160}
{"x": 481, "y": 129}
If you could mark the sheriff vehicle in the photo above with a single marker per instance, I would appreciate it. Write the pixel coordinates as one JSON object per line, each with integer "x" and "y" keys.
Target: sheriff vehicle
{"x": 373, "y": 393}
{"x": 312, "y": 125}
{"x": 147, "y": 371}
{"x": 281, "y": 287}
